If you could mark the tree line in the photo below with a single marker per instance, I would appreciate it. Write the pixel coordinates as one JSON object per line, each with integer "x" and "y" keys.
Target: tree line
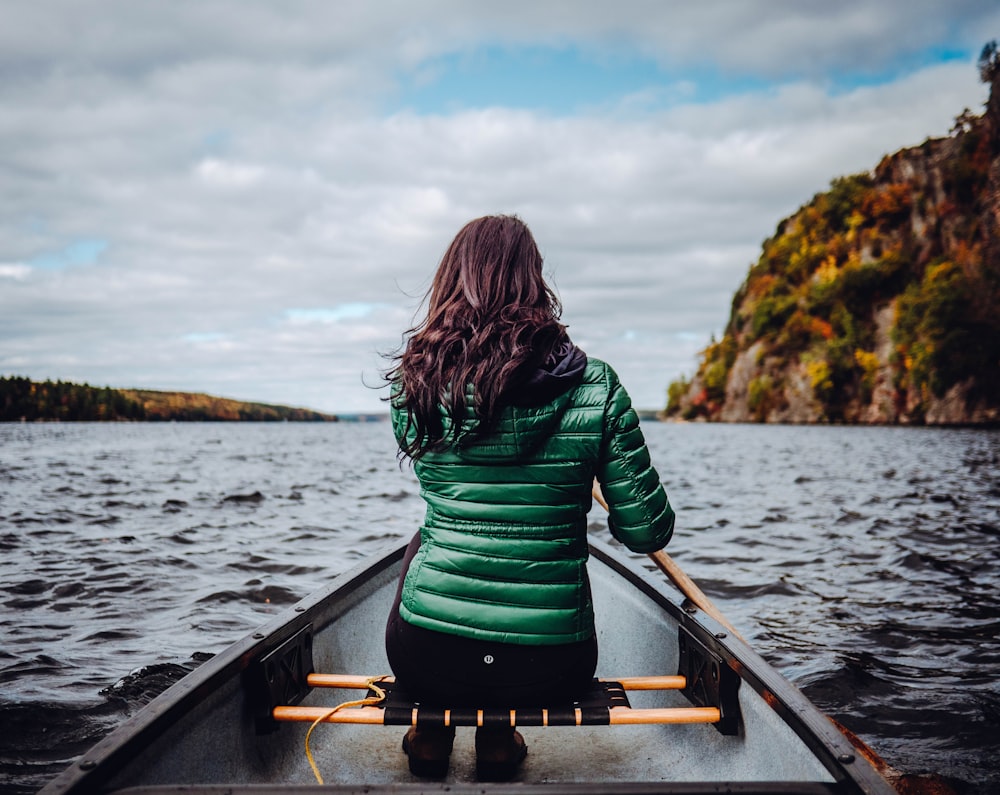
{"x": 25, "y": 400}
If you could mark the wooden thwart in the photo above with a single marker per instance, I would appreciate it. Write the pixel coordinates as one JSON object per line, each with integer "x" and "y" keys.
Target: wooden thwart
{"x": 618, "y": 716}
{"x": 605, "y": 704}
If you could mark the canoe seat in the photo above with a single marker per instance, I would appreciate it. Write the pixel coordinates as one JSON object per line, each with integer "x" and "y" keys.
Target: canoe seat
{"x": 281, "y": 679}
{"x": 605, "y": 703}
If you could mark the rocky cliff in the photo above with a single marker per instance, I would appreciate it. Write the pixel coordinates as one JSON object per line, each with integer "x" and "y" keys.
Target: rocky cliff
{"x": 876, "y": 302}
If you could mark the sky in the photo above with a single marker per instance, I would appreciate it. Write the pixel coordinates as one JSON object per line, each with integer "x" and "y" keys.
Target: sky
{"x": 250, "y": 198}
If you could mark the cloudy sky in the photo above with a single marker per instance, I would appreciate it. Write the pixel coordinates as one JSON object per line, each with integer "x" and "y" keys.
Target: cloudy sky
{"x": 249, "y": 198}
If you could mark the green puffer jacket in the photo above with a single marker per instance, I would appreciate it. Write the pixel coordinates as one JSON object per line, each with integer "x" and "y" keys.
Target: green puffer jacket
{"x": 504, "y": 542}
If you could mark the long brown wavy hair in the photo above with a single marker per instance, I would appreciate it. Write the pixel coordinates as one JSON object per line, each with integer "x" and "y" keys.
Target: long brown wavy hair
{"x": 491, "y": 320}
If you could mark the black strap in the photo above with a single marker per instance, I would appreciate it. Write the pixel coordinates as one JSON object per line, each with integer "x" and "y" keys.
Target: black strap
{"x": 591, "y": 709}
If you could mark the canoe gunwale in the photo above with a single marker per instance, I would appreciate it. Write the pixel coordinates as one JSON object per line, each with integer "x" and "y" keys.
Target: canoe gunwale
{"x": 502, "y": 788}
{"x": 99, "y": 765}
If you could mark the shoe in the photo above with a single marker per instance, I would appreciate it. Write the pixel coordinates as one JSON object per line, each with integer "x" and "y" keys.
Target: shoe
{"x": 429, "y": 750}
{"x": 499, "y": 753}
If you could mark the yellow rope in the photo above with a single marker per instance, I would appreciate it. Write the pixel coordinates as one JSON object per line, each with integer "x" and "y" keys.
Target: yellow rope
{"x": 378, "y": 698}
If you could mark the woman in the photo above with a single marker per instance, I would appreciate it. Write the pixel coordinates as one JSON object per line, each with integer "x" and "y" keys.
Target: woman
{"x": 507, "y": 424}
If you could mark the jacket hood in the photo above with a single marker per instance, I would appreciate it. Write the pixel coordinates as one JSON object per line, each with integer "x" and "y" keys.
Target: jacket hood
{"x": 535, "y": 407}
{"x": 561, "y": 371}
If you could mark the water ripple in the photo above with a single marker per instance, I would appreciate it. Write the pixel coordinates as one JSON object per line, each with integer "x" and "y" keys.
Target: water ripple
{"x": 862, "y": 563}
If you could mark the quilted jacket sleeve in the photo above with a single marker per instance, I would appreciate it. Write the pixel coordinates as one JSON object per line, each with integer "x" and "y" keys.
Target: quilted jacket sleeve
{"x": 640, "y": 515}
{"x": 398, "y": 417}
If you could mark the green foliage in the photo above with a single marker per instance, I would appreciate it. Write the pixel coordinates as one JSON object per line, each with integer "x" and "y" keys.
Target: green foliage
{"x": 857, "y": 286}
{"x": 719, "y": 358}
{"x": 869, "y": 283}
{"x": 834, "y": 369}
{"x": 938, "y": 334}
{"x": 762, "y": 395}
{"x": 844, "y": 198}
{"x": 675, "y": 393}
{"x": 715, "y": 380}
{"x": 800, "y": 332}
{"x": 770, "y": 314}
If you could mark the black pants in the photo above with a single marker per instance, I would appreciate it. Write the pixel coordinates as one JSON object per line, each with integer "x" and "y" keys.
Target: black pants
{"x": 449, "y": 669}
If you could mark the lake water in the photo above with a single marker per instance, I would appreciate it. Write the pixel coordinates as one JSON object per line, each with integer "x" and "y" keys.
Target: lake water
{"x": 861, "y": 562}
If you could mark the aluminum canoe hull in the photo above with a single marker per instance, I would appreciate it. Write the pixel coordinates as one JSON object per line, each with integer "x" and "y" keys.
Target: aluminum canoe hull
{"x": 204, "y": 734}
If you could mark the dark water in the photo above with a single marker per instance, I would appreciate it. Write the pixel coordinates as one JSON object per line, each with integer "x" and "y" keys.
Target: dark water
{"x": 863, "y": 563}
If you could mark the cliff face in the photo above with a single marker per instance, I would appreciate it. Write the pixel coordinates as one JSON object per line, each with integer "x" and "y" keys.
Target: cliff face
{"x": 877, "y": 302}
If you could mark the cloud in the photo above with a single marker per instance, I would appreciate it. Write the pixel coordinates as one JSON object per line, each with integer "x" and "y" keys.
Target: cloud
{"x": 14, "y": 270}
{"x": 244, "y": 199}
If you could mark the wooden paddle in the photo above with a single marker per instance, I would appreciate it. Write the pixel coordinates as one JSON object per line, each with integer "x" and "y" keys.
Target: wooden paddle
{"x": 677, "y": 576}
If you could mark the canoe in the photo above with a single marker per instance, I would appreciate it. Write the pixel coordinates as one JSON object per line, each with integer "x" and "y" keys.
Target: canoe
{"x": 216, "y": 730}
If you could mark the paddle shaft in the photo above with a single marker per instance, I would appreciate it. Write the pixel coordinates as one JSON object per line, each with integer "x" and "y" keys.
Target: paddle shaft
{"x": 676, "y": 575}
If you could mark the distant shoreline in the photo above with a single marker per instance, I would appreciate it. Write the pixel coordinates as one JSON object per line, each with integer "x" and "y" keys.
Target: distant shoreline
{"x": 25, "y": 400}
